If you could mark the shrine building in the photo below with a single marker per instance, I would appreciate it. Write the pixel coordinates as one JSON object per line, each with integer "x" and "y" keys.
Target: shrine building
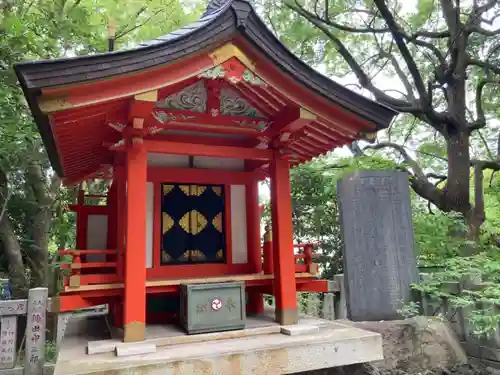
{"x": 184, "y": 127}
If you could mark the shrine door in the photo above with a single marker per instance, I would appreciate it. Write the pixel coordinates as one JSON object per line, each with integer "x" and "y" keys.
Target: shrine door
{"x": 192, "y": 224}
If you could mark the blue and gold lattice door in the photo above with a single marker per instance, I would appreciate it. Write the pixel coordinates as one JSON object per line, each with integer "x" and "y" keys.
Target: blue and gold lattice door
{"x": 192, "y": 224}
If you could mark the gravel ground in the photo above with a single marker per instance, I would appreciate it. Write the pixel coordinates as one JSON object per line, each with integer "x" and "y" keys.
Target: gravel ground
{"x": 369, "y": 370}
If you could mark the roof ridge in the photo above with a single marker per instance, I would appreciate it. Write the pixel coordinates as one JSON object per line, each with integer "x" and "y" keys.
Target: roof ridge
{"x": 212, "y": 11}
{"x": 215, "y": 6}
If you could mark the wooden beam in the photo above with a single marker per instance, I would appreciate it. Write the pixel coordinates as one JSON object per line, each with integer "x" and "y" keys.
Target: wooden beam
{"x": 213, "y": 99}
{"x": 250, "y": 94}
{"x": 227, "y": 51}
{"x": 178, "y": 148}
{"x": 101, "y": 290}
{"x": 142, "y": 105}
{"x": 204, "y": 129}
{"x": 200, "y": 139}
{"x": 313, "y": 286}
{"x": 200, "y": 176}
{"x": 253, "y": 125}
{"x": 290, "y": 120}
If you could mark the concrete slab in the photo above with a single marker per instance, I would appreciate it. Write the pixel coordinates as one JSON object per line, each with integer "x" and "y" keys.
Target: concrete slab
{"x": 134, "y": 348}
{"x": 299, "y": 329}
{"x": 265, "y": 354}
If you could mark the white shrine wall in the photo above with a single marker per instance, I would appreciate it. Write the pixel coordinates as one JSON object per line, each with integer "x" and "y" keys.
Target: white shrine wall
{"x": 97, "y": 236}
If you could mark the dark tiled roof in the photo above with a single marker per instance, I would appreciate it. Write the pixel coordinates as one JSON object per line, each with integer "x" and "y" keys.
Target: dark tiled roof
{"x": 214, "y": 9}
{"x": 222, "y": 20}
{"x": 215, "y": 6}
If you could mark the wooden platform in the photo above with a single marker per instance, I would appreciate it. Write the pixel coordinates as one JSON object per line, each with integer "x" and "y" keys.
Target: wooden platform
{"x": 177, "y": 282}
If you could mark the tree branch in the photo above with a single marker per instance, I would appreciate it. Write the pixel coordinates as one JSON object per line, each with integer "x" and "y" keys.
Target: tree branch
{"x": 498, "y": 146}
{"x": 328, "y": 21}
{"x": 402, "y": 76}
{"x": 483, "y": 64}
{"x": 479, "y": 10}
{"x": 480, "y": 121}
{"x": 403, "y": 49}
{"x": 488, "y": 151}
{"x": 486, "y": 164}
{"x": 417, "y": 170}
{"x": 483, "y": 31}
{"x": 432, "y": 34}
{"x": 364, "y": 80}
{"x": 439, "y": 177}
{"x": 478, "y": 193}
{"x": 125, "y": 32}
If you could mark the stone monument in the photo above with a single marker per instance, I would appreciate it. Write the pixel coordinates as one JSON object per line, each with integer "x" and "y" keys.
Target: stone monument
{"x": 377, "y": 232}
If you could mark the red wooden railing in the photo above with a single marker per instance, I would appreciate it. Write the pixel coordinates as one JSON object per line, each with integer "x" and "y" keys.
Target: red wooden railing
{"x": 304, "y": 261}
{"x": 85, "y": 272}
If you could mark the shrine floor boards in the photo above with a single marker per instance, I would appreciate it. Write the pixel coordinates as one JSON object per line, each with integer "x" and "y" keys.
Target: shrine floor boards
{"x": 261, "y": 349}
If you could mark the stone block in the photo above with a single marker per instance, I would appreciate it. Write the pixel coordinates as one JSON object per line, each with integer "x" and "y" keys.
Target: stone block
{"x": 102, "y": 346}
{"x": 299, "y": 329}
{"x": 341, "y": 303}
{"x": 328, "y": 311}
{"x": 377, "y": 232}
{"x": 134, "y": 348}
{"x": 333, "y": 286}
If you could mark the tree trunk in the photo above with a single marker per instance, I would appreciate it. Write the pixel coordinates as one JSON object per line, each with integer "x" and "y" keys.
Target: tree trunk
{"x": 477, "y": 215}
{"x": 12, "y": 249}
{"x": 457, "y": 190}
{"x": 41, "y": 222}
{"x": 40, "y": 253}
{"x": 458, "y": 187}
{"x": 10, "y": 244}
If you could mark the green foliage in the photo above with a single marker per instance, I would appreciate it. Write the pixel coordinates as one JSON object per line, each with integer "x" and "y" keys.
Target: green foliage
{"x": 351, "y": 165}
{"x": 409, "y": 310}
{"x": 492, "y": 203}
{"x": 436, "y": 236}
{"x": 309, "y": 303}
{"x": 45, "y": 29}
{"x": 315, "y": 213}
{"x": 50, "y": 348}
{"x": 479, "y": 296}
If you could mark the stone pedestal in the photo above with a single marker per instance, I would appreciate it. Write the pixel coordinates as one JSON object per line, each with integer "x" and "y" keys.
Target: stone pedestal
{"x": 377, "y": 231}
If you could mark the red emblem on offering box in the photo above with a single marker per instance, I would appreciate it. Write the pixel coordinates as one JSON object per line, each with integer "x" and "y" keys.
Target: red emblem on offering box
{"x": 216, "y": 304}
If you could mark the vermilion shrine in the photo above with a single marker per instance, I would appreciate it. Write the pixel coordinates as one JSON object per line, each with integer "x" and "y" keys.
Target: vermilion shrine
{"x": 184, "y": 127}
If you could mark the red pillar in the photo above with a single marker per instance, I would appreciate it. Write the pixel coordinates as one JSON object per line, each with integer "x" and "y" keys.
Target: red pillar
{"x": 284, "y": 261}
{"x": 255, "y": 299}
{"x": 135, "y": 250}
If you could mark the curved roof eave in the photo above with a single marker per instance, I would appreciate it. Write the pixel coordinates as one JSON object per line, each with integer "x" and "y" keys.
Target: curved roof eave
{"x": 257, "y": 32}
{"x": 222, "y": 20}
